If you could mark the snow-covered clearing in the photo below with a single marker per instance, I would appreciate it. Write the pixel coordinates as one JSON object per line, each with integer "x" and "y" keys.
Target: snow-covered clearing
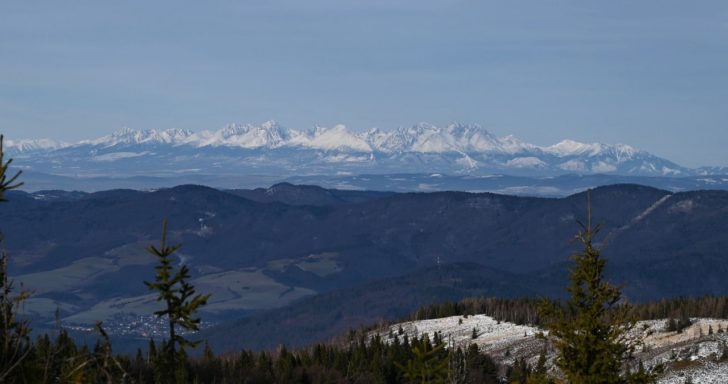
{"x": 694, "y": 352}
{"x": 458, "y": 331}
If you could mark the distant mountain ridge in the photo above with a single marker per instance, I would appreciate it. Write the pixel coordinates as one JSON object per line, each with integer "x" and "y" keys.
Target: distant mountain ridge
{"x": 271, "y": 148}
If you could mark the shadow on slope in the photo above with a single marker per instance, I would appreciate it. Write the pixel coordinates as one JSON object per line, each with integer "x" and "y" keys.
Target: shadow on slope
{"x": 330, "y": 314}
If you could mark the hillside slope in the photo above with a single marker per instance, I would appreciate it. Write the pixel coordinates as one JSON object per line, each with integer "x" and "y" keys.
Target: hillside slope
{"x": 78, "y": 251}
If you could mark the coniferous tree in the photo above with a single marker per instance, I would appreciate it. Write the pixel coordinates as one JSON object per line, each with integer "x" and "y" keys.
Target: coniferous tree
{"x": 181, "y": 305}
{"x": 518, "y": 373}
{"x": 7, "y": 182}
{"x": 15, "y": 343}
{"x": 105, "y": 363}
{"x": 590, "y": 331}
{"x": 539, "y": 375}
{"x": 481, "y": 367}
{"x": 683, "y": 323}
{"x": 428, "y": 365}
{"x": 671, "y": 325}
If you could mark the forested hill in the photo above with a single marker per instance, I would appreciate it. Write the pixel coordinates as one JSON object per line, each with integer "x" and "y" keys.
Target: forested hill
{"x": 256, "y": 251}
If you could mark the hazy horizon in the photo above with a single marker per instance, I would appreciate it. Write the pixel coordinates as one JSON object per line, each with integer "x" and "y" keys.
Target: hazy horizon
{"x": 651, "y": 74}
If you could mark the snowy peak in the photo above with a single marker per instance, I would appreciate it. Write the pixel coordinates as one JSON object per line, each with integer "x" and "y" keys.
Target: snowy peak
{"x": 129, "y": 136}
{"x": 454, "y": 138}
{"x": 269, "y": 134}
{"x": 575, "y": 148}
{"x": 473, "y": 138}
{"x": 336, "y": 138}
{"x": 20, "y": 146}
{"x": 423, "y": 147}
{"x": 272, "y": 135}
{"x": 603, "y": 158}
{"x": 419, "y": 138}
{"x": 570, "y": 148}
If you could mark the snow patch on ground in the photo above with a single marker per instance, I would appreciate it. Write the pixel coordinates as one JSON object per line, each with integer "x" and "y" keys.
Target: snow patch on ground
{"x": 694, "y": 352}
{"x": 709, "y": 373}
{"x": 643, "y": 214}
{"x": 503, "y": 341}
{"x": 118, "y": 156}
{"x": 458, "y": 330}
{"x": 603, "y": 167}
{"x": 683, "y": 206}
{"x": 525, "y": 162}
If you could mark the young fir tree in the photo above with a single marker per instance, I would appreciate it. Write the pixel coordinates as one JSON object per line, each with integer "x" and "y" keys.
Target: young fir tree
{"x": 14, "y": 333}
{"x": 181, "y": 305}
{"x": 108, "y": 365}
{"x": 7, "y": 182}
{"x": 519, "y": 372}
{"x": 539, "y": 374}
{"x": 428, "y": 365}
{"x": 590, "y": 333}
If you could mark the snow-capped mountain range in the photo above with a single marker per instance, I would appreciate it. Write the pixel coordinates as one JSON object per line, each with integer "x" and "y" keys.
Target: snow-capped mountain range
{"x": 271, "y": 148}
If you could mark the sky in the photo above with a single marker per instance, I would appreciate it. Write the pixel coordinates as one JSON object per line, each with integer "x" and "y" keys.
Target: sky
{"x": 652, "y": 74}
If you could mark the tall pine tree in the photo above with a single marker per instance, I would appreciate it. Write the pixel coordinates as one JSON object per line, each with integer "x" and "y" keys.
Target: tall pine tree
{"x": 591, "y": 332}
{"x": 181, "y": 305}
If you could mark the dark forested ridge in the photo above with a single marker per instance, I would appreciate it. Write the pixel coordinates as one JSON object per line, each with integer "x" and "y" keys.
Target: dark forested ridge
{"x": 290, "y": 194}
{"x": 259, "y": 250}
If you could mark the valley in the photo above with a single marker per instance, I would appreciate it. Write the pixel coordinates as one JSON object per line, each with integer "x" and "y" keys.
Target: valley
{"x": 336, "y": 259}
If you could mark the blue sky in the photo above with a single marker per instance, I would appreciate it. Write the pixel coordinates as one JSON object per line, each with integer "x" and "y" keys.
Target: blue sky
{"x": 653, "y": 74}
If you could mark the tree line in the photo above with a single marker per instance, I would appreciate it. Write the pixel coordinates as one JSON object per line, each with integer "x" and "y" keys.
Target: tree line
{"x": 525, "y": 311}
